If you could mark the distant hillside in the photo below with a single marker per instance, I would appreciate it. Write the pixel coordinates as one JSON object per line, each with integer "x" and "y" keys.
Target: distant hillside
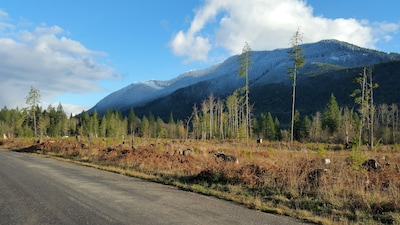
{"x": 329, "y": 68}
{"x": 313, "y": 93}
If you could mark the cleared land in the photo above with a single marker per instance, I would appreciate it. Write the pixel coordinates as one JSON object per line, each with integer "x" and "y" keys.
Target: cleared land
{"x": 37, "y": 190}
{"x": 269, "y": 176}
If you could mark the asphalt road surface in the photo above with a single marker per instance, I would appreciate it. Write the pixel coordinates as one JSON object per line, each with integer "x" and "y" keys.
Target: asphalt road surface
{"x": 37, "y": 190}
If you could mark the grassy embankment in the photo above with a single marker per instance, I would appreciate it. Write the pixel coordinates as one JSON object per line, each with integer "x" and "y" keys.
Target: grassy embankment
{"x": 269, "y": 177}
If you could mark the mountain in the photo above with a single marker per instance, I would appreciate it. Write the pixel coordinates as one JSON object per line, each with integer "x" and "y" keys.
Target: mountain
{"x": 313, "y": 92}
{"x": 327, "y": 61}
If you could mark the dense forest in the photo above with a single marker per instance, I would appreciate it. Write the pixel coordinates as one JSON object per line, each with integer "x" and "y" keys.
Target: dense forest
{"x": 215, "y": 118}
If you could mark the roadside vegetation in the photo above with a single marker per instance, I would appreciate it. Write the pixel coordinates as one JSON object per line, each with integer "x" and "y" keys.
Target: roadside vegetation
{"x": 269, "y": 177}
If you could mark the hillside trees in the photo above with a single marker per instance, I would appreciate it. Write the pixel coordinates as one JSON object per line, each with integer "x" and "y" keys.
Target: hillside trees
{"x": 217, "y": 118}
{"x": 296, "y": 54}
{"x": 267, "y": 127}
{"x": 333, "y": 124}
{"x": 54, "y": 123}
{"x": 226, "y": 119}
{"x": 12, "y": 122}
{"x": 212, "y": 116}
{"x": 233, "y": 103}
{"x": 305, "y": 129}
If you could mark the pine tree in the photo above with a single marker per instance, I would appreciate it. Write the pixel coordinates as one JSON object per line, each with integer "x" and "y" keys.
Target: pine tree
{"x": 232, "y": 105}
{"x": 297, "y": 127}
{"x": 244, "y": 68}
{"x": 270, "y": 128}
{"x": 103, "y": 127}
{"x": 297, "y": 55}
{"x": 331, "y": 115}
{"x": 94, "y": 124}
{"x": 278, "y": 133}
{"x": 305, "y": 128}
{"x": 145, "y": 127}
{"x": 62, "y": 120}
{"x": 33, "y": 100}
{"x": 263, "y": 125}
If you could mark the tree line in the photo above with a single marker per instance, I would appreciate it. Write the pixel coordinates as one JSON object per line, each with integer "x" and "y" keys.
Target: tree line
{"x": 215, "y": 119}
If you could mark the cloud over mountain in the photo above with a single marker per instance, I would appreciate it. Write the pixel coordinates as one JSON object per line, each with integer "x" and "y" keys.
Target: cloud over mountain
{"x": 267, "y": 24}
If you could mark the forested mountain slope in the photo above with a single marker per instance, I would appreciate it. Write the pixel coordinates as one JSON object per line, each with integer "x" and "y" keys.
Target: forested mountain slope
{"x": 329, "y": 65}
{"x": 313, "y": 93}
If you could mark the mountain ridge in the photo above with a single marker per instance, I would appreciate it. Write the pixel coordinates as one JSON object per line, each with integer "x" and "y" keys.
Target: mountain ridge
{"x": 221, "y": 79}
{"x": 313, "y": 93}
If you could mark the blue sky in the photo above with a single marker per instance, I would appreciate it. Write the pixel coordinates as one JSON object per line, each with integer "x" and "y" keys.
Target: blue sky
{"x": 78, "y": 52}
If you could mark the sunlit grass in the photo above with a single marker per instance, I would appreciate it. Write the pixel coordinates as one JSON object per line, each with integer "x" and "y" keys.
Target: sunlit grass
{"x": 270, "y": 177}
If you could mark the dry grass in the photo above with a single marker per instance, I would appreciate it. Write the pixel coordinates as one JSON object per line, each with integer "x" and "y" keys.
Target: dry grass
{"x": 269, "y": 177}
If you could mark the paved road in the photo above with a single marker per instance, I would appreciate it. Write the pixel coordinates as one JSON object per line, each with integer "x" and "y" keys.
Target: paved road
{"x": 36, "y": 190}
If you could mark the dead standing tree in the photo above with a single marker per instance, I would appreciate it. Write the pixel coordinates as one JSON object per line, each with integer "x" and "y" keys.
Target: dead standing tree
{"x": 365, "y": 98}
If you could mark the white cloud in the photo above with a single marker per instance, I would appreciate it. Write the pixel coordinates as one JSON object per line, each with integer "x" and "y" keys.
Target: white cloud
{"x": 47, "y": 60}
{"x": 267, "y": 24}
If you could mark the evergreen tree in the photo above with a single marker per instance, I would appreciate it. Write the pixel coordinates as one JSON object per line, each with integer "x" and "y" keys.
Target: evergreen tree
{"x": 112, "y": 125}
{"x": 305, "y": 128}
{"x": 244, "y": 68}
{"x": 161, "y": 131}
{"x": 52, "y": 129}
{"x": 331, "y": 116}
{"x": 297, "y": 128}
{"x": 296, "y": 54}
{"x": 85, "y": 124}
{"x": 145, "y": 127}
{"x": 172, "y": 128}
{"x": 171, "y": 118}
{"x": 62, "y": 120}
{"x": 33, "y": 100}
{"x": 263, "y": 125}
{"x": 278, "y": 132}
{"x": 257, "y": 127}
{"x": 270, "y": 133}
{"x": 152, "y": 126}
{"x": 72, "y": 124}
{"x": 232, "y": 105}
{"x": 103, "y": 127}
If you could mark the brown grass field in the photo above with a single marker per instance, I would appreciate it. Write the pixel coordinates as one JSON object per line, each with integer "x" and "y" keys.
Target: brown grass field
{"x": 269, "y": 177}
